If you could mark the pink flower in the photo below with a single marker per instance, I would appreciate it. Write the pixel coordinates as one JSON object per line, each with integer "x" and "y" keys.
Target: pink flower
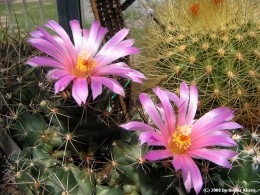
{"x": 82, "y": 63}
{"x": 182, "y": 137}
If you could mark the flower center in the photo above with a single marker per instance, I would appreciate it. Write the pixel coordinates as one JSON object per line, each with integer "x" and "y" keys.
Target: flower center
{"x": 180, "y": 140}
{"x": 85, "y": 64}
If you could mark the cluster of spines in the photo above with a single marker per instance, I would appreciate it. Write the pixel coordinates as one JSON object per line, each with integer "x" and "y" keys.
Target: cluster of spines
{"x": 246, "y": 164}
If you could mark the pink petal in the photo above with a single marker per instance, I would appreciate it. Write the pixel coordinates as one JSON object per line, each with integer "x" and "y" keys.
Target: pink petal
{"x": 62, "y": 83}
{"x": 56, "y": 73}
{"x": 211, "y": 119}
{"x": 226, "y": 126}
{"x": 176, "y": 162}
{"x": 137, "y": 126}
{"x": 119, "y": 36}
{"x": 36, "y": 34}
{"x": 213, "y": 141}
{"x": 96, "y": 35}
{"x": 113, "y": 55}
{"x": 100, "y": 36}
{"x": 151, "y": 110}
{"x": 48, "y": 48}
{"x": 184, "y": 100}
{"x": 112, "y": 84}
{"x": 77, "y": 34}
{"x": 159, "y": 107}
{"x": 168, "y": 110}
{"x": 193, "y": 103}
{"x": 157, "y": 155}
{"x": 152, "y": 138}
{"x": 62, "y": 33}
{"x": 62, "y": 50}
{"x": 194, "y": 173}
{"x": 174, "y": 98}
{"x": 217, "y": 156}
{"x": 125, "y": 43}
{"x": 85, "y": 37}
{"x": 122, "y": 71}
{"x": 96, "y": 87}
{"x": 190, "y": 172}
{"x": 218, "y": 127}
{"x": 80, "y": 90}
{"x": 44, "y": 61}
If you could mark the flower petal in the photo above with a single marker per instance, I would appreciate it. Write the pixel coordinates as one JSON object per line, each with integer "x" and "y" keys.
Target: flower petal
{"x": 112, "y": 55}
{"x": 217, "y": 156}
{"x": 77, "y": 34}
{"x": 170, "y": 118}
{"x": 112, "y": 84}
{"x": 119, "y": 36}
{"x": 174, "y": 98}
{"x": 100, "y": 36}
{"x": 193, "y": 103}
{"x": 56, "y": 73}
{"x": 93, "y": 33}
{"x": 48, "y": 48}
{"x": 96, "y": 87}
{"x": 214, "y": 140}
{"x": 151, "y": 110}
{"x": 184, "y": 100}
{"x": 190, "y": 172}
{"x": 63, "y": 35}
{"x": 137, "y": 126}
{"x": 219, "y": 127}
{"x": 62, "y": 83}
{"x": 157, "y": 155}
{"x": 44, "y": 61}
{"x": 211, "y": 119}
{"x": 61, "y": 50}
{"x": 120, "y": 70}
{"x": 80, "y": 90}
{"x": 152, "y": 138}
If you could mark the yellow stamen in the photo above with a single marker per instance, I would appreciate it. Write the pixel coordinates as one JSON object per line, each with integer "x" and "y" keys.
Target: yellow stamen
{"x": 180, "y": 140}
{"x": 85, "y": 64}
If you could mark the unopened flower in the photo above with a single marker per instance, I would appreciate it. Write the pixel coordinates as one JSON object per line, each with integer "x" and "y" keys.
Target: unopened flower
{"x": 182, "y": 137}
{"x": 82, "y": 63}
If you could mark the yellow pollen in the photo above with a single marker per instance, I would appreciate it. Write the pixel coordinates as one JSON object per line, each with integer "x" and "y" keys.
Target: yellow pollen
{"x": 180, "y": 140}
{"x": 85, "y": 64}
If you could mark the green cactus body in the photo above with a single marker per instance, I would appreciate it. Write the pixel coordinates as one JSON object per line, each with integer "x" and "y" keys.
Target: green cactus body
{"x": 212, "y": 44}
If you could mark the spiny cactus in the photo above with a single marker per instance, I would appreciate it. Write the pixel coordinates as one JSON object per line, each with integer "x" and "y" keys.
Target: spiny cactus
{"x": 244, "y": 177}
{"x": 212, "y": 44}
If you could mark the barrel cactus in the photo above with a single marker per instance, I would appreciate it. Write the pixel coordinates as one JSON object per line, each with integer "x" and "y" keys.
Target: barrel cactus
{"x": 210, "y": 43}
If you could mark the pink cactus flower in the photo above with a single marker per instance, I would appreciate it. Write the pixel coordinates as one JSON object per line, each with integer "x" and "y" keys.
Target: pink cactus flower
{"x": 82, "y": 63}
{"x": 183, "y": 137}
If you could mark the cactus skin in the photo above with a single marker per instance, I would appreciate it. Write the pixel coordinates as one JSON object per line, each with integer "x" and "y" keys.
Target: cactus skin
{"x": 220, "y": 54}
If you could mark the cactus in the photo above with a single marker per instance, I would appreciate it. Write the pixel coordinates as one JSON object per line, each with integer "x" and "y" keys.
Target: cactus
{"x": 244, "y": 177}
{"x": 213, "y": 44}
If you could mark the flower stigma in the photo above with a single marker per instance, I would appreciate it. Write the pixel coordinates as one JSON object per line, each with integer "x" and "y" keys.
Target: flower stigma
{"x": 180, "y": 140}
